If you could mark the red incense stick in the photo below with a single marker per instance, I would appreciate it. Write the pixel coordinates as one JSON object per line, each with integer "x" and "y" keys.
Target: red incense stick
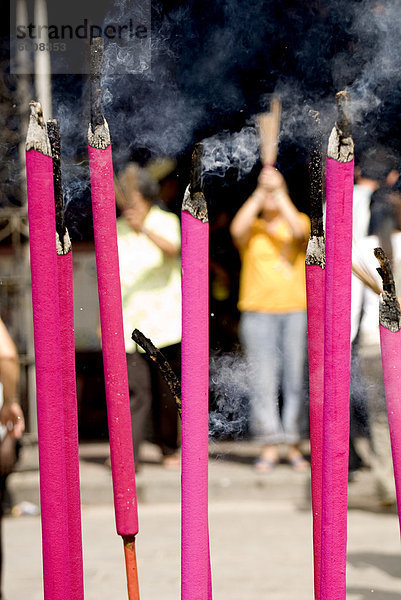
{"x": 195, "y": 565}
{"x": 315, "y": 282}
{"x": 46, "y": 321}
{"x": 109, "y": 289}
{"x": 337, "y": 356}
{"x": 69, "y": 392}
{"x": 390, "y": 342}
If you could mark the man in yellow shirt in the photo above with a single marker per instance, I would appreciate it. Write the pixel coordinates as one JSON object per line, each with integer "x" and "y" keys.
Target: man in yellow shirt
{"x": 271, "y": 235}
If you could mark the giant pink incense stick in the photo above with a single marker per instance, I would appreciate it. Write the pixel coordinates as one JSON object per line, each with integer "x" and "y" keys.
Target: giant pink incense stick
{"x": 315, "y": 282}
{"x": 195, "y": 566}
{"x": 69, "y": 392}
{"x": 46, "y": 320}
{"x": 390, "y": 342}
{"x": 114, "y": 358}
{"x": 337, "y": 357}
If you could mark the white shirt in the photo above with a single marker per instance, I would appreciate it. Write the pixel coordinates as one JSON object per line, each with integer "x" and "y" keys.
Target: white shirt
{"x": 365, "y": 302}
{"x": 361, "y": 211}
{"x": 150, "y": 280}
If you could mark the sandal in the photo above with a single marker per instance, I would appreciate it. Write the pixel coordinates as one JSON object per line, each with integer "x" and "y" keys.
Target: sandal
{"x": 264, "y": 465}
{"x": 172, "y": 461}
{"x": 298, "y": 463}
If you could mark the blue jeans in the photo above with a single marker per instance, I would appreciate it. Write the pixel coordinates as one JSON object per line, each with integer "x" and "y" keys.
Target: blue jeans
{"x": 274, "y": 346}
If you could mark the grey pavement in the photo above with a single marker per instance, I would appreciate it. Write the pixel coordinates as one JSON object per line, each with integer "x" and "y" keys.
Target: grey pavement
{"x": 260, "y": 530}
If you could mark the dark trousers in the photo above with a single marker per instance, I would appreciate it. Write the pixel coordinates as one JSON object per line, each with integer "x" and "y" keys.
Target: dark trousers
{"x": 150, "y": 396}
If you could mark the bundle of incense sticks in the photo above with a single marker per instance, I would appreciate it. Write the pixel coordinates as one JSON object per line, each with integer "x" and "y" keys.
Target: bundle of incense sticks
{"x": 362, "y": 269}
{"x": 48, "y": 361}
{"x": 195, "y": 565}
{"x": 113, "y": 348}
{"x": 269, "y": 128}
{"x": 69, "y": 393}
{"x": 337, "y": 355}
{"x": 315, "y": 286}
{"x": 390, "y": 342}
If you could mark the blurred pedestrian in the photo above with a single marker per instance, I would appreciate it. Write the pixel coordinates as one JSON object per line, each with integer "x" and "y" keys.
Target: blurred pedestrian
{"x": 377, "y": 168}
{"x": 149, "y": 244}
{"x": 384, "y": 231}
{"x": 12, "y": 423}
{"x": 271, "y": 235}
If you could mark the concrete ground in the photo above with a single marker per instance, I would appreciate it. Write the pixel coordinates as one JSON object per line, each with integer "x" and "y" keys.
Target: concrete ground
{"x": 260, "y": 528}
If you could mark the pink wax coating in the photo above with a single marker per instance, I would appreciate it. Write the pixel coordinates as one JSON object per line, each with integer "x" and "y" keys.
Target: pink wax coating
{"x": 337, "y": 362}
{"x": 315, "y": 282}
{"x": 391, "y": 360}
{"x": 195, "y": 565}
{"x": 114, "y": 358}
{"x": 66, "y": 303}
{"x": 46, "y": 321}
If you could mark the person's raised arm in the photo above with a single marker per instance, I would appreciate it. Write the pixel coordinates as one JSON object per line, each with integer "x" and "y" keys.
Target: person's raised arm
{"x": 241, "y": 224}
{"x": 11, "y": 411}
{"x": 272, "y": 181}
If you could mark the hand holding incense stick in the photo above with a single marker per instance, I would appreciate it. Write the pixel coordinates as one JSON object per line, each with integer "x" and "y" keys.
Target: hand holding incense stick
{"x": 315, "y": 277}
{"x": 195, "y": 566}
{"x": 114, "y": 359}
{"x": 49, "y": 381}
{"x": 69, "y": 395}
{"x": 337, "y": 355}
{"x": 390, "y": 342}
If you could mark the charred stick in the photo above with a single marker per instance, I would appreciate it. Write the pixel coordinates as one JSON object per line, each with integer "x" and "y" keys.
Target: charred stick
{"x": 98, "y": 134}
{"x": 69, "y": 395}
{"x": 63, "y": 241}
{"x": 109, "y": 291}
{"x": 196, "y": 169}
{"x": 194, "y": 199}
{"x": 315, "y": 296}
{"x": 48, "y": 361}
{"x": 390, "y": 346}
{"x": 195, "y": 559}
{"x": 390, "y": 313}
{"x": 337, "y": 355}
{"x": 96, "y": 62}
{"x": 315, "y": 168}
{"x": 159, "y": 359}
{"x": 344, "y": 120}
{"x": 341, "y": 145}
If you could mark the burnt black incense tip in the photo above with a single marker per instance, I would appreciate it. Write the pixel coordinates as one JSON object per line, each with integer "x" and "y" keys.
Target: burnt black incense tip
{"x": 315, "y": 168}
{"x": 385, "y": 272}
{"x": 341, "y": 144}
{"x": 53, "y": 131}
{"x": 36, "y": 137}
{"x": 63, "y": 242}
{"x": 194, "y": 199}
{"x": 96, "y": 64}
{"x": 344, "y": 119}
{"x": 196, "y": 169}
{"x": 389, "y": 308}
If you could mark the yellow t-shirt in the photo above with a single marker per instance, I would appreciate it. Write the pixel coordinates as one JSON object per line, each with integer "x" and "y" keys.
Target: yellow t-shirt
{"x": 273, "y": 269}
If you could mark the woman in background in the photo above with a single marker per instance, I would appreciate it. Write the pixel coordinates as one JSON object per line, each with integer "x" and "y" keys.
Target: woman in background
{"x": 271, "y": 235}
